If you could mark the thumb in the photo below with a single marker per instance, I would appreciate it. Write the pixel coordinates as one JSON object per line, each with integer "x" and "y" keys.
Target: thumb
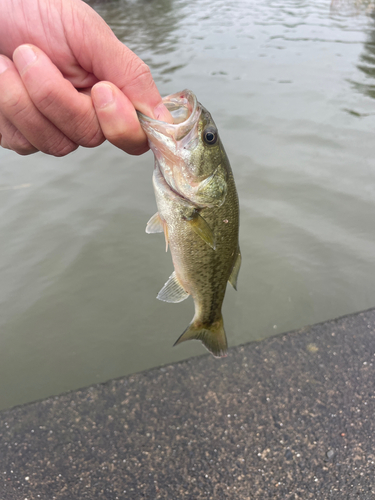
{"x": 100, "y": 53}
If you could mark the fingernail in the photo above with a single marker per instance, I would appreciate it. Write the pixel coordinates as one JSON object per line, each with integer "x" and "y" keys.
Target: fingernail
{"x": 4, "y": 64}
{"x": 102, "y": 95}
{"x": 162, "y": 114}
{"x": 23, "y": 56}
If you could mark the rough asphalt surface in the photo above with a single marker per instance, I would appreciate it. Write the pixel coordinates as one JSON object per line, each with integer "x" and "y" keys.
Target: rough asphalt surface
{"x": 291, "y": 417}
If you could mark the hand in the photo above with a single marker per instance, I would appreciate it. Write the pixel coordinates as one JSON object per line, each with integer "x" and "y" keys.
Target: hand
{"x": 66, "y": 80}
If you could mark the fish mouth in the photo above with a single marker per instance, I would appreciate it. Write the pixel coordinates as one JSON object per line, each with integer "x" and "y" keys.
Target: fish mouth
{"x": 185, "y": 111}
{"x": 173, "y": 145}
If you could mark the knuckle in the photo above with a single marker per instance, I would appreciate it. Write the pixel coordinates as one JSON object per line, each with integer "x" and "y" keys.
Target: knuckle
{"x": 89, "y": 133}
{"x": 13, "y": 104}
{"x": 17, "y": 107}
{"x": 45, "y": 96}
{"x": 56, "y": 144}
{"x": 26, "y": 150}
{"x": 61, "y": 148}
{"x": 18, "y": 143}
{"x": 94, "y": 141}
{"x": 141, "y": 74}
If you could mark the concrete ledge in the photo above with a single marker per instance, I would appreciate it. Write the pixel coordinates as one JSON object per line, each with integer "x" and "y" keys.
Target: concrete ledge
{"x": 291, "y": 417}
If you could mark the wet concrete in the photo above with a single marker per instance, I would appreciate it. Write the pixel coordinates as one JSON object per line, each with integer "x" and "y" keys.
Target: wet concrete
{"x": 291, "y": 417}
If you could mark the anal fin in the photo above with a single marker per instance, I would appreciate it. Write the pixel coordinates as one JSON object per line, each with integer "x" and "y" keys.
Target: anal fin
{"x": 172, "y": 291}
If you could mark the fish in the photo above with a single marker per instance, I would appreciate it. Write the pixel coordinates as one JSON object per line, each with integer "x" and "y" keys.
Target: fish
{"x": 198, "y": 212}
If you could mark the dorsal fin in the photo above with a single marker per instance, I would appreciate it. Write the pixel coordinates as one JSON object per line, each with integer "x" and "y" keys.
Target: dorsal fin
{"x": 236, "y": 268}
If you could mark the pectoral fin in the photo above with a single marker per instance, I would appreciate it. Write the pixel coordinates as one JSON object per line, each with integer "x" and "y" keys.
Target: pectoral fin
{"x": 155, "y": 224}
{"x": 202, "y": 229}
{"x": 165, "y": 227}
{"x": 172, "y": 291}
{"x": 236, "y": 268}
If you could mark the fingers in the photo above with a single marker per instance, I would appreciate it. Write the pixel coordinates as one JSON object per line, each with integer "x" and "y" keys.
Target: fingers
{"x": 21, "y": 120}
{"x": 12, "y": 98}
{"x": 11, "y": 138}
{"x": 40, "y": 109}
{"x": 137, "y": 84}
{"x": 127, "y": 85}
{"x": 70, "y": 111}
{"x": 118, "y": 118}
{"x": 100, "y": 53}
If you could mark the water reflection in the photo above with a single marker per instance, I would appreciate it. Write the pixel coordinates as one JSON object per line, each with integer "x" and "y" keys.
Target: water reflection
{"x": 79, "y": 275}
{"x": 367, "y": 62}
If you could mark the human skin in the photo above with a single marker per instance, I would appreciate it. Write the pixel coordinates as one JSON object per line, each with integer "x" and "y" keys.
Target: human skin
{"x": 67, "y": 81}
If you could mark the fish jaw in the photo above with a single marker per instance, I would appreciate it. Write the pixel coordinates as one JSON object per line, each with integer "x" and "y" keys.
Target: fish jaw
{"x": 171, "y": 142}
{"x": 181, "y": 155}
{"x": 185, "y": 111}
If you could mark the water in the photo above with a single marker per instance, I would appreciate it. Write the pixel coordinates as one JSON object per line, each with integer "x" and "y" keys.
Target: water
{"x": 291, "y": 86}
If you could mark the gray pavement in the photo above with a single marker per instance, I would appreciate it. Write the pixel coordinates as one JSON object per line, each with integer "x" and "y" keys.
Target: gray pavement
{"x": 291, "y": 417}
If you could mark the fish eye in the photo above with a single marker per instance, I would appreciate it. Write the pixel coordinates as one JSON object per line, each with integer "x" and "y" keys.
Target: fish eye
{"x": 210, "y": 136}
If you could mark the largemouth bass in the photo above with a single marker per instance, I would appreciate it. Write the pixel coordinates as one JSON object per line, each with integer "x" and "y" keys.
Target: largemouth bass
{"x": 197, "y": 211}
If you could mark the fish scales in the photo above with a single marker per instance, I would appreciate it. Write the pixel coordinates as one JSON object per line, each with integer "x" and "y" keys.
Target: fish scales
{"x": 198, "y": 211}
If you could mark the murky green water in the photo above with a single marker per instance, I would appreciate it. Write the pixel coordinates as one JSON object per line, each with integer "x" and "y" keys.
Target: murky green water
{"x": 291, "y": 86}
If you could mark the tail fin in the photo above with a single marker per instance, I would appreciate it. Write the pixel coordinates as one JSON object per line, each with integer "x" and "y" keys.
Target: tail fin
{"x": 212, "y": 336}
